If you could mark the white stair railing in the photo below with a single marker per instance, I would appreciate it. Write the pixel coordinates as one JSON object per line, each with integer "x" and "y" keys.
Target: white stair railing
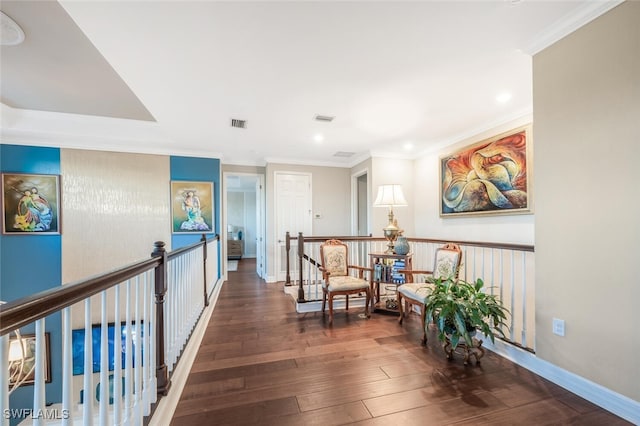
{"x": 107, "y": 337}
{"x": 506, "y": 269}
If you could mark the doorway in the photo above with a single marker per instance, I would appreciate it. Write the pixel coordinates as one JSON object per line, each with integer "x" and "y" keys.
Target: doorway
{"x": 360, "y": 203}
{"x": 243, "y": 230}
{"x": 292, "y": 213}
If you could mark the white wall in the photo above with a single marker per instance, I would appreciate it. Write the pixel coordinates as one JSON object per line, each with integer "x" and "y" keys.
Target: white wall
{"x": 517, "y": 229}
{"x": 386, "y": 171}
{"x": 360, "y": 169}
{"x": 241, "y": 213}
{"x": 331, "y": 199}
{"x": 587, "y": 127}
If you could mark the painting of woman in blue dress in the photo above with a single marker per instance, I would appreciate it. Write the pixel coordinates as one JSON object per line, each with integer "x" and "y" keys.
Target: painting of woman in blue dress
{"x": 194, "y": 220}
{"x": 30, "y": 203}
{"x": 192, "y": 206}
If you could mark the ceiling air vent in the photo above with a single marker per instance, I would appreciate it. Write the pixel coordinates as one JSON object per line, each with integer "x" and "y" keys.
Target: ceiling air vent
{"x": 240, "y": 124}
{"x": 344, "y": 154}
{"x": 324, "y": 118}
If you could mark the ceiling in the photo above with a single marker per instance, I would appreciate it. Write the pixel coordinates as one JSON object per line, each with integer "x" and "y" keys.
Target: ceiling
{"x": 400, "y": 78}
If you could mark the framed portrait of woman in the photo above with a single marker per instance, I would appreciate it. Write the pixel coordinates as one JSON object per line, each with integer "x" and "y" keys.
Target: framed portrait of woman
{"x": 192, "y": 207}
{"x": 30, "y": 204}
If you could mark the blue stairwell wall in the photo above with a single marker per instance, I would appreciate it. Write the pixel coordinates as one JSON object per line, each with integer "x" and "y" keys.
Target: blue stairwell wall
{"x": 32, "y": 263}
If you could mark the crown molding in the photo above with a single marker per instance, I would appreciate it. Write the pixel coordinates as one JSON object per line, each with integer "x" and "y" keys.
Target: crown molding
{"x": 300, "y": 162}
{"x": 569, "y": 23}
{"x": 514, "y": 120}
{"x": 74, "y": 131}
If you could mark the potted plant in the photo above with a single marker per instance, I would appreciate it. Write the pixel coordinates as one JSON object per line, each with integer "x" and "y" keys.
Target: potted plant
{"x": 459, "y": 308}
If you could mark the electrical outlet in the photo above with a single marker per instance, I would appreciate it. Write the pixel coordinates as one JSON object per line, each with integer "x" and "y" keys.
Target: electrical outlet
{"x": 558, "y": 327}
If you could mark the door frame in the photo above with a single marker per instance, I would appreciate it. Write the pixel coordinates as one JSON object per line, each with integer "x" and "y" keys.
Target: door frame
{"x": 354, "y": 200}
{"x": 260, "y": 227}
{"x": 261, "y": 222}
{"x": 276, "y": 242}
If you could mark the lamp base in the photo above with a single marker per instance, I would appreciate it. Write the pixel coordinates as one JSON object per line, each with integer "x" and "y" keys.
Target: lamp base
{"x": 391, "y": 232}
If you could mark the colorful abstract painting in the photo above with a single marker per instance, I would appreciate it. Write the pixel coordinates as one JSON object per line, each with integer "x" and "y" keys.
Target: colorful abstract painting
{"x": 488, "y": 177}
{"x": 30, "y": 204}
{"x": 192, "y": 207}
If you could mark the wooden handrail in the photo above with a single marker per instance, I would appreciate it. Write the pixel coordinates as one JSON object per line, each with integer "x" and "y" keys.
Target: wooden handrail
{"x": 24, "y": 311}
{"x": 506, "y": 246}
{"x": 315, "y": 239}
{"x": 301, "y": 239}
{"x": 178, "y": 252}
{"x": 20, "y": 312}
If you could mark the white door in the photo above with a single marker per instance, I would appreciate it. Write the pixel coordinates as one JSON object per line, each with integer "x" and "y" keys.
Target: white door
{"x": 293, "y": 213}
{"x": 260, "y": 238}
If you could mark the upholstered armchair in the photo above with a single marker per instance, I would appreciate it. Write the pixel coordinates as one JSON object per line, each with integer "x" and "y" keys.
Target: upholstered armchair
{"x": 335, "y": 269}
{"x": 446, "y": 265}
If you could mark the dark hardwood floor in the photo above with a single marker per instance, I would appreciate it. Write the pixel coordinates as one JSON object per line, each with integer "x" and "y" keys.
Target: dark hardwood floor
{"x": 262, "y": 363}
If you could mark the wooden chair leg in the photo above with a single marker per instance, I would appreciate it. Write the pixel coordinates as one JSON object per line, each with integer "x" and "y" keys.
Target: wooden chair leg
{"x": 423, "y": 317}
{"x": 366, "y": 305}
{"x": 346, "y": 307}
{"x": 399, "y": 295}
{"x": 372, "y": 296}
{"x": 324, "y": 300}
{"x": 330, "y": 308}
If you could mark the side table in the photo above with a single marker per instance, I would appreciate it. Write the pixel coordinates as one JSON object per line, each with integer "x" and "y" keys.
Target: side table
{"x": 385, "y": 271}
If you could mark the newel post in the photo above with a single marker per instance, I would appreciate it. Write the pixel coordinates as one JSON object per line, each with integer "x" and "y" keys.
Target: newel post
{"x": 287, "y": 249}
{"x": 162, "y": 374}
{"x": 300, "y": 256}
{"x": 204, "y": 267}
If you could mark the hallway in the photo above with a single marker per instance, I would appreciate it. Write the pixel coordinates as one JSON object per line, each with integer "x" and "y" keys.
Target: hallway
{"x": 261, "y": 363}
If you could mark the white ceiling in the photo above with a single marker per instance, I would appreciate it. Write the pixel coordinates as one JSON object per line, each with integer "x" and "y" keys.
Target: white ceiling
{"x": 424, "y": 73}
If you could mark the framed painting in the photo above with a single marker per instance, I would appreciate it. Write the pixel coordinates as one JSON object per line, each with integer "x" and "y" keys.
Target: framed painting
{"x": 191, "y": 207}
{"x": 492, "y": 176}
{"x": 30, "y": 204}
{"x": 22, "y": 359}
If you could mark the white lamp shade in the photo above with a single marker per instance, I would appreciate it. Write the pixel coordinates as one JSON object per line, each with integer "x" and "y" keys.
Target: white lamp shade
{"x": 17, "y": 350}
{"x": 390, "y": 196}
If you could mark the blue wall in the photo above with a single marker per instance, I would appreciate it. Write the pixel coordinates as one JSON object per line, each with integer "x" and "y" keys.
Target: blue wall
{"x": 32, "y": 263}
{"x": 197, "y": 170}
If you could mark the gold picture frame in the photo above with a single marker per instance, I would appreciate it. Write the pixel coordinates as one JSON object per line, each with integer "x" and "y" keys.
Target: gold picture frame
{"x": 192, "y": 207}
{"x": 489, "y": 177}
{"x": 30, "y": 204}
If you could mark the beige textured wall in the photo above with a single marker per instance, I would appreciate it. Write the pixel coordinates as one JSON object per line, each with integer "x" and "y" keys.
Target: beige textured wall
{"x": 111, "y": 201}
{"x": 586, "y": 125}
{"x": 114, "y": 206}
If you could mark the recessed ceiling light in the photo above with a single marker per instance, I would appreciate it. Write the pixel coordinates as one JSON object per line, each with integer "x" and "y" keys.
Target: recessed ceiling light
{"x": 11, "y": 34}
{"x": 408, "y": 146}
{"x": 318, "y": 137}
{"x": 503, "y": 97}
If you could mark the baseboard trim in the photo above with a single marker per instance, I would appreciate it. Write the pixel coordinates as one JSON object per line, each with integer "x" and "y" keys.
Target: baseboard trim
{"x": 614, "y": 402}
{"x": 167, "y": 405}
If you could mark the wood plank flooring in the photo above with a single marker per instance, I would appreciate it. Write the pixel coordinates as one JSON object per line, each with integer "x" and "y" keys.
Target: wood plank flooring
{"x": 262, "y": 363}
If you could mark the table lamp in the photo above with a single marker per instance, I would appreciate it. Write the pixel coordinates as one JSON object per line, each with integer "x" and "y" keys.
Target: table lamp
{"x": 390, "y": 196}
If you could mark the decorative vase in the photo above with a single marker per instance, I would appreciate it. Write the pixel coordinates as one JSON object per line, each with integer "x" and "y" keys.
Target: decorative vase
{"x": 401, "y": 246}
